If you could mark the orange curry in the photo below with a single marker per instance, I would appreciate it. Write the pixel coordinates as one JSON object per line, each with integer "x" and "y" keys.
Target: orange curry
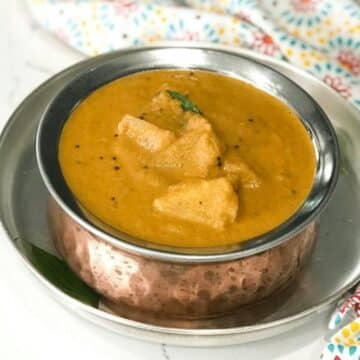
{"x": 187, "y": 158}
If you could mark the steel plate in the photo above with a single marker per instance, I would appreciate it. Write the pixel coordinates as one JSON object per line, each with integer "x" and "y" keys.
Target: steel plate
{"x": 334, "y": 268}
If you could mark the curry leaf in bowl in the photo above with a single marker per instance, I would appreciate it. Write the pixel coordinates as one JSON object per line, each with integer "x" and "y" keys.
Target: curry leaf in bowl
{"x": 186, "y": 103}
{"x": 59, "y": 274}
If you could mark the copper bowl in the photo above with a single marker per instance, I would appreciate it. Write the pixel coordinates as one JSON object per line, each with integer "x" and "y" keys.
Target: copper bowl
{"x": 183, "y": 282}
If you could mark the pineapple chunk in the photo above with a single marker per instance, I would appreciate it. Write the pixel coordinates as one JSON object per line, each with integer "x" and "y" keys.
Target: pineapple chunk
{"x": 197, "y": 122}
{"x": 191, "y": 155}
{"x": 239, "y": 172}
{"x": 208, "y": 202}
{"x": 164, "y": 111}
{"x": 148, "y": 136}
{"x": 164, "y": 102}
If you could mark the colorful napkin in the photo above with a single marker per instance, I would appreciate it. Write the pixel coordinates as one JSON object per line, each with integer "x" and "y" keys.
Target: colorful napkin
{"x": 320, "y": 36}
{"x": 345, "y": 343}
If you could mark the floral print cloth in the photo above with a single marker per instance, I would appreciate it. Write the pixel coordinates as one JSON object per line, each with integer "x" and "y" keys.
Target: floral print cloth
{"x": 345, "y": 343}
{"x": 320, "y": 36}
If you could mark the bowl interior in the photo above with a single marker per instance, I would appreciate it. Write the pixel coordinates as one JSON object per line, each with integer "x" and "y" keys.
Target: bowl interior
{"x": 131, "y": 61}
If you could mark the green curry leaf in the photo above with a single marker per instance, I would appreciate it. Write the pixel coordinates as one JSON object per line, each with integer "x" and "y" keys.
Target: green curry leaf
{"x": 185, "y": 102}
{"x": 60, "y": 275}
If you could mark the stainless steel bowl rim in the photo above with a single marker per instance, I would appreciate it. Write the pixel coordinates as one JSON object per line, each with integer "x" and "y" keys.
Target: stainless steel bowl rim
{"x": 329, "y": 159}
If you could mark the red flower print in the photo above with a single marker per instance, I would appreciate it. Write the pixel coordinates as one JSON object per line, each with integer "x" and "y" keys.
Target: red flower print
{"x": 349, "y": 60}
{"x": 124, "y": 7}
{"x": 264, "y": 43}
{"x": 336, "y": 83}
{"x": 304, "y": 5}
{"x": 352, "y": 302}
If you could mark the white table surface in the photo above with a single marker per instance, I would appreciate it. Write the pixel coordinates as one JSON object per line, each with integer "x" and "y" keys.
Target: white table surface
{"x": 32, "y": 324}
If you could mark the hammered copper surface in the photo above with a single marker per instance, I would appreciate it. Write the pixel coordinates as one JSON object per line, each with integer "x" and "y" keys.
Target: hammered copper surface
{"x": 178, "y": 289}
